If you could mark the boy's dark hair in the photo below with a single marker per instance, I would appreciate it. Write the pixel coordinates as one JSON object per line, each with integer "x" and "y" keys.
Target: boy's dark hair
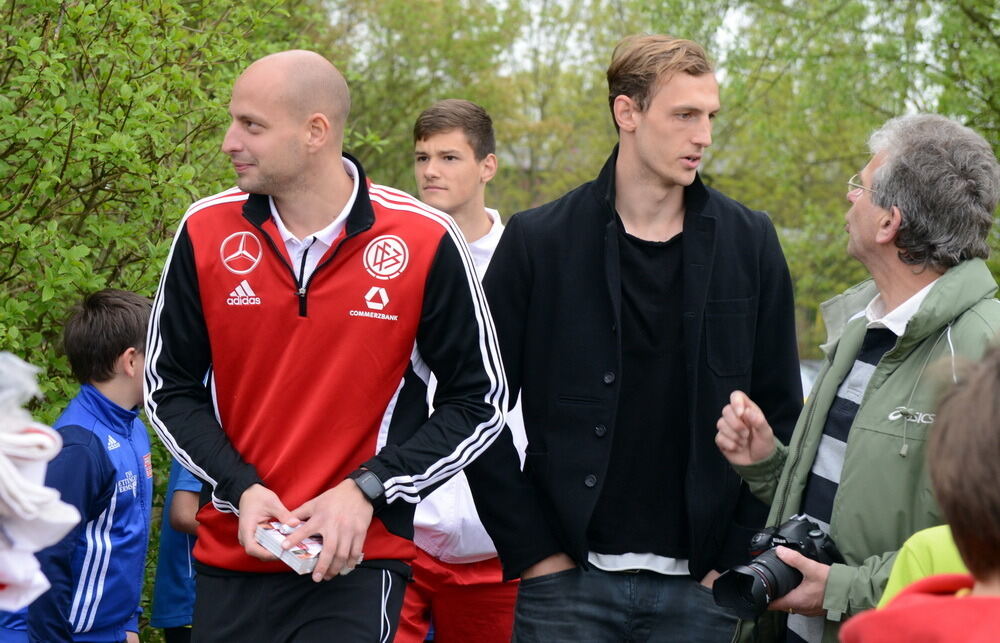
{"x": 102, "y": 327}
{"x": 964, "y": 451}
{"x": 454, "y": 113}
{"x": 641, "y": 63}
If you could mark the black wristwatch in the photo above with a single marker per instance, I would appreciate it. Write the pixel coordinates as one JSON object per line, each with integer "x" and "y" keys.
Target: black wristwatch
{"x": 371, "y": 486}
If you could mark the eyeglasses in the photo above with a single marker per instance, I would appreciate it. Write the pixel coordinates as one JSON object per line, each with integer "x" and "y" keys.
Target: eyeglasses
{"x": 855, "y": 183}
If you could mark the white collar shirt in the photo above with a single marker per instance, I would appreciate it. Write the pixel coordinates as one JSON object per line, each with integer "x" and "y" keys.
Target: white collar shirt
{"x": 482, "y": 248}
{"x": 897, "y": 319}
{"x": 306, "y": 253}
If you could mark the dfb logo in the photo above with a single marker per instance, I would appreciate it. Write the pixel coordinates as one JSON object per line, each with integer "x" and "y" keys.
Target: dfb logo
{"x": 386, "y": 257}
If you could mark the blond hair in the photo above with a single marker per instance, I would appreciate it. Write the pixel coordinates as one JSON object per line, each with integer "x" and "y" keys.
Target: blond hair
{"x": 640, "y": 63}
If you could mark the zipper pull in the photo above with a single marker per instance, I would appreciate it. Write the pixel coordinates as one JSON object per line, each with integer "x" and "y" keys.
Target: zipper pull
{"x": 302, "y": 301}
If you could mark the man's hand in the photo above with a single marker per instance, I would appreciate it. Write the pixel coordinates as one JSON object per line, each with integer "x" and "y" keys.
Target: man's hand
{"x": 710, "y": 577}
{"x": 131, "y": 637}
{"x": 744, "y": 436}
{"x": 554, "y": 563}
{"x": 340, "y": 516}
{"x": 259, "y": 504}
{"x": 807, "y": 598}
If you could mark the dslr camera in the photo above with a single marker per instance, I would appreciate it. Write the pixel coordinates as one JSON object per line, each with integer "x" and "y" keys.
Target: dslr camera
{"x": 749, "y": 589}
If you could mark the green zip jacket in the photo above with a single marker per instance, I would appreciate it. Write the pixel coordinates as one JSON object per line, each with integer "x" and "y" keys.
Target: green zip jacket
{"x": 885, "y": 493}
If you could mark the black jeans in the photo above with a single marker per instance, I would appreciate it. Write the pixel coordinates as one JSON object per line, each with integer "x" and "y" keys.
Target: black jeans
{"x": 597, "y": 606}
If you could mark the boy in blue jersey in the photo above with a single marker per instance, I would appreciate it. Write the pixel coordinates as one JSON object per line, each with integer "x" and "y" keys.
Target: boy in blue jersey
{"x": 173, "y": 592}
{"x": 105, "y": 471}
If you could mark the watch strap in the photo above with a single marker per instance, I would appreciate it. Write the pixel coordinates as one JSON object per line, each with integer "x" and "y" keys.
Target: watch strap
{"x": 370, "y": 486}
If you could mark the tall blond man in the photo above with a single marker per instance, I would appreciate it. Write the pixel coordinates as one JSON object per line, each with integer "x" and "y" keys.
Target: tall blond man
{"x": 627, "y": 310}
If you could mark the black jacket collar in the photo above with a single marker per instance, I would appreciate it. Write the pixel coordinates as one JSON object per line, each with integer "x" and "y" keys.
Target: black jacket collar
{"x": 361, "y": 217}
{"x": 696, "y": 195}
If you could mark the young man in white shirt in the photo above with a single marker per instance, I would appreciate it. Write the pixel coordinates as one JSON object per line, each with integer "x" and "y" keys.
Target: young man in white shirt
{"x": 457, "y": 578}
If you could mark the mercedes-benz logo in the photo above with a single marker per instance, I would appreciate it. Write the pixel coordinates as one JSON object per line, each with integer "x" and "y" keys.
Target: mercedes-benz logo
{"x": 240, "y": 252}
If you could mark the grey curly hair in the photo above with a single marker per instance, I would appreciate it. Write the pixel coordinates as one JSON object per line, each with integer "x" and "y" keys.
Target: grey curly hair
{"x": 945, "y": 180}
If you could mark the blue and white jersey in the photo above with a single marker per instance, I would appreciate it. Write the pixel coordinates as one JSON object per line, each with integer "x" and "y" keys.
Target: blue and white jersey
{"x": 104, "y": 470}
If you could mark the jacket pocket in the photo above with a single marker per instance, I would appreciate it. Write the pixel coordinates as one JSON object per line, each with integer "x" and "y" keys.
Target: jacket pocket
{"x": 730, "y": 327}
{"x": 580, "y": 400}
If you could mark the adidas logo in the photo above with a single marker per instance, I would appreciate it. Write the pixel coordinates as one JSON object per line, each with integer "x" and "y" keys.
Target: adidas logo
{"x": 243, "y": 295}
{"x": 113, "y": 443}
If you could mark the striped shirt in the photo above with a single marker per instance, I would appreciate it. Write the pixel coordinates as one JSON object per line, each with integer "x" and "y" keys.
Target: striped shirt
{"x": 824, "y": 478}
{"x": 821, "y": 487}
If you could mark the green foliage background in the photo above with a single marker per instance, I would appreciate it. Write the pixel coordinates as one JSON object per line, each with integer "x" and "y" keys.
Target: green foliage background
{"x": 110, "y": 118}
{"x": 111, "y": 115}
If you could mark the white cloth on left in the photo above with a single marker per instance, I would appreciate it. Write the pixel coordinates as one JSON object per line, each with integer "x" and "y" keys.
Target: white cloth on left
{"x": 21, "y": 579}
{"x": 32, "y": 516}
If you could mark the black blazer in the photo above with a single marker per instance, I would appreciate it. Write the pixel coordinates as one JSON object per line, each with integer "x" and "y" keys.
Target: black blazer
{"x": 555, "y": 294}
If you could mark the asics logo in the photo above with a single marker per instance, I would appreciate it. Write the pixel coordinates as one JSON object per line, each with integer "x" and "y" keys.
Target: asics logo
{"x": 241, "y": 252}
{"x": 243, "y": 295}
{"x": 911, "y": 415}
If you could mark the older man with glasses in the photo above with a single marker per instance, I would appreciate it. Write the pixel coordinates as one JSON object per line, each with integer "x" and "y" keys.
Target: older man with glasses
{"x": 921, "y": 212}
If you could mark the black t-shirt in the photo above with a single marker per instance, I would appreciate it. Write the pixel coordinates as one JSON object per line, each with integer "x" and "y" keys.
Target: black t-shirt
{"x": 642, "y": 507}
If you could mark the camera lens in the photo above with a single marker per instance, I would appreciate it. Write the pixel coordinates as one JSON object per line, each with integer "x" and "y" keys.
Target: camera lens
{"x": 749, "y": 589}
{"x": 778, "y": 578}
{"x": 741, "y": 590}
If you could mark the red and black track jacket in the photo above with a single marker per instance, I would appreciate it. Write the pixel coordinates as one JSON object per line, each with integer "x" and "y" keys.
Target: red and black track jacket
{"x": 252, "y": 377}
